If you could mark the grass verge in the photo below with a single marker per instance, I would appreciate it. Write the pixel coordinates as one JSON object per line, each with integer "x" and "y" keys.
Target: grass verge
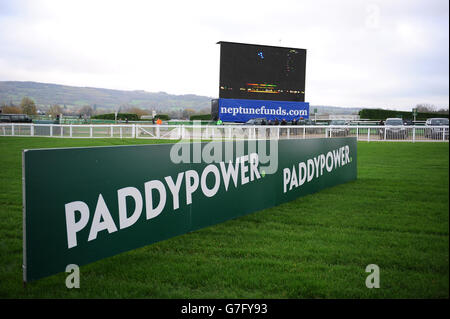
{"x": 395, "y": 215}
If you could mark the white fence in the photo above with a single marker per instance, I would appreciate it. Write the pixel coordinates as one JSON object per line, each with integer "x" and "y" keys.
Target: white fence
{"x": 175, "y": 132}
{"x": 67, "y": 130}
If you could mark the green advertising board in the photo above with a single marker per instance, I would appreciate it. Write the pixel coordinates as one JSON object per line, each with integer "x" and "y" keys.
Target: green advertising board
{"x": 85, "y": 204}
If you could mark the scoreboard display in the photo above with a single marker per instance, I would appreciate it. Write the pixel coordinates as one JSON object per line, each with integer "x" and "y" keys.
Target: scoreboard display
{"x": 261, "y": 72}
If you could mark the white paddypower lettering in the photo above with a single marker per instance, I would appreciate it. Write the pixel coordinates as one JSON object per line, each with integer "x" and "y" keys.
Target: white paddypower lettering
{"x": 152, "y": 212}
{"x": 154, "y": 198}
{"x": 101, "y": 212}
{"x": 175, "y": 189}
{"x": 315, "y": 168}
{"x": 215, "y": 171}
{"x": 122, "y": 194}
{"x": 72, "y": 226}
{"x": 232, "y": 172}
{"x": 191, "y": 186}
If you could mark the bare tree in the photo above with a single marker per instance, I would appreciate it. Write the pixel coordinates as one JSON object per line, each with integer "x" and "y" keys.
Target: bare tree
{"x": 86, "y": 110}
{"x": 28, "y": 106}
{"x": 186, "y": 114}
{"x": 10, "y": 109}
{"x": 425, "y": 108}
{"x": 54, "y": 110}
{"x": 138, "y": 111}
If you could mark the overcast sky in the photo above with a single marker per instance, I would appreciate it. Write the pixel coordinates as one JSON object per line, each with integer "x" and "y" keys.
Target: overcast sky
{"x": 391, "y": 54}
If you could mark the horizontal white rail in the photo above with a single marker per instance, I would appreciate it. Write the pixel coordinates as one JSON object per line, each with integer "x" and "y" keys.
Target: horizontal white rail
{"x": 361, "y": 132}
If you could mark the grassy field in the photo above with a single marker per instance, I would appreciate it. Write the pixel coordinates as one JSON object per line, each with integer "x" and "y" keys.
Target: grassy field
{"x": 395, "y": 215}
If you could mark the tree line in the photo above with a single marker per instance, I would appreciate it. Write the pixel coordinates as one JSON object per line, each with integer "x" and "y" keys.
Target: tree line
{"x": 422, "y": 114}
{"x": 26, "y": 106}
{"x": 29, "y": 107}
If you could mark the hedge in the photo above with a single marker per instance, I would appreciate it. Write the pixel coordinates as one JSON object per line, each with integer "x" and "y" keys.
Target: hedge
{"x": 120, "y": 116}
{"x": 200, "y": 117}
{"x": 163, "y": 117}
{"x": 380, "y": 114}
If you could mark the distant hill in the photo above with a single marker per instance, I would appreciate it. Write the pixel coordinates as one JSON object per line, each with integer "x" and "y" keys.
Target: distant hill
{"x": 325, "y": 109}
{"x": 45, "y": 94}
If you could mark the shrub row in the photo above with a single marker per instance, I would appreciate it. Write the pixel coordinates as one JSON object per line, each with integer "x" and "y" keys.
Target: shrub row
{"x": 380, "y": 114}
{"x": 120, "y": 116}
{"x": 200, "y": 117}
{"x": 124, "y": 116}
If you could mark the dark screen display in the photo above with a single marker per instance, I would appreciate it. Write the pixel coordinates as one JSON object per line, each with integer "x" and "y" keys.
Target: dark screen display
{"x": 261, "y": 72}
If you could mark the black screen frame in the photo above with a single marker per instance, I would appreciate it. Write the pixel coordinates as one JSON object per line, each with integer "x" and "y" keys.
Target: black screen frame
{"x": 261, "y": 72}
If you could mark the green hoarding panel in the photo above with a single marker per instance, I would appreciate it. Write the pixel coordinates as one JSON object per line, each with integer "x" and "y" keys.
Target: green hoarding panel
{"x": 85, "y": 204}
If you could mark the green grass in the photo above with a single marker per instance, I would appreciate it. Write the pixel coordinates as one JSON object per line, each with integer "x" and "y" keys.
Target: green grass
{"x": 395, "y": 215}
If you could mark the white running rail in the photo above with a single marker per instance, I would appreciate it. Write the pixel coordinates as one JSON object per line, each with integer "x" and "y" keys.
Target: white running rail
{"x": 215, "y": 132}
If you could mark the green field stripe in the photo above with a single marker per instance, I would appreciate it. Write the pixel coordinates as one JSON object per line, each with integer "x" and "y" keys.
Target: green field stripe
{"x": 395, "y": 215}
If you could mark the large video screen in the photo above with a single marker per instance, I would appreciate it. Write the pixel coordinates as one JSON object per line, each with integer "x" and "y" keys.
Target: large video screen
{"x": 261, "y": 72}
